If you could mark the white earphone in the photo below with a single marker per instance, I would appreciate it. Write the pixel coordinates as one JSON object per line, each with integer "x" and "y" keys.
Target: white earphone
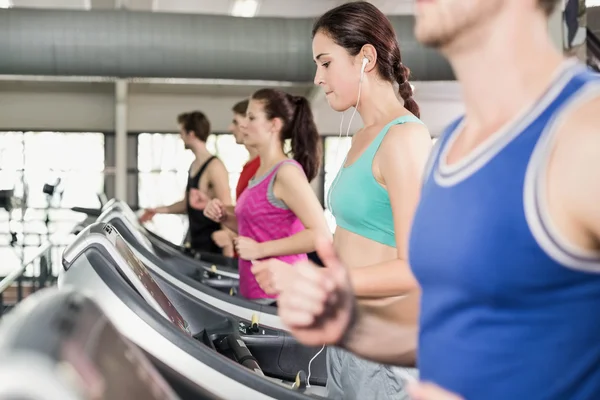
{"x": 365, "y": 61}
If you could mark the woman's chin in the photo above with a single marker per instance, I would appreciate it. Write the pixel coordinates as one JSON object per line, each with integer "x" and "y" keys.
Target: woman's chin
{"x": 338, "y": 107}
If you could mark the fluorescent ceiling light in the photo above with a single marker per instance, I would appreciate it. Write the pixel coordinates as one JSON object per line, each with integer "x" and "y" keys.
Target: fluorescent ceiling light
{"x": 244, "y": 8}
{"x": 5, "y": 3}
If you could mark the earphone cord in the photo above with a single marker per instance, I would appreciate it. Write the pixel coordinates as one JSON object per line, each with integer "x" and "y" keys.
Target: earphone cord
{"x": 355, "y": 108}
{"x": 310, "y": 362}
{"x": 347, "y": 133}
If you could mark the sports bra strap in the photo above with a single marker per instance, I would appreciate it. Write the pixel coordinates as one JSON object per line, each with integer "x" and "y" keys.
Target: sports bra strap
{"x": 374, "y": 146}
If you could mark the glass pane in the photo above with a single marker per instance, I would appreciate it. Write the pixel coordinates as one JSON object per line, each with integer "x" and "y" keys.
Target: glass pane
{"x": 287, "y": 146}
{"x": 81, "y": 189}
{"x": 158, "y": 189}
{"x": 233, "y": 180}
{"x": 11, "y": 179}
{"x": 78, "y": 189}
{"x": 161, "y": 155}
{"x": 66, "y": 215}
{"x": 335, "y": 153}
{"x": 336, "y": 150}
{"x": 330, "y": 221}
{"x": 61, "y": 232}
{"x": 10, "y": 260}
{"x": 76, "y": 158}
{"x": 170, "y": 227}
{"x": 11, "y": 151}
{"x": 328, "y": 180}
{"x": 233, "y": 155}
{"x": 211, "y": 144}
{"x": 61, "y": 151}
{"x": 162, "y": 152}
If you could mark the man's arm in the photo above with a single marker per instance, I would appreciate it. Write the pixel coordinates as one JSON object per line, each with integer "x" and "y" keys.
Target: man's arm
{"x": 219, "y": 179}
{"x": 175, "y": 208}
{"x": 574, "y": 176}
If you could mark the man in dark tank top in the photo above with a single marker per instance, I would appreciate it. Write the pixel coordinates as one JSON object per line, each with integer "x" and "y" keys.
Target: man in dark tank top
{"x": 207, "y": 179}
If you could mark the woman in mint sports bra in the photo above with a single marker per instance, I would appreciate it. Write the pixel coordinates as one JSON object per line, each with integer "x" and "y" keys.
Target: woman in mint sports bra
{"x": 376, "y": 192}
{"x": 278, "y": 214}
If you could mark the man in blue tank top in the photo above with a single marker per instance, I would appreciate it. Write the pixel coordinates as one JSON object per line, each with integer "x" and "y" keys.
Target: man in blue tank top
{"x": 506, "y": 239}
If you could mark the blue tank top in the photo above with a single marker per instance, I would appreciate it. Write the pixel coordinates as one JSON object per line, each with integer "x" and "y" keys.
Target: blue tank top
{"x": 509, "y": 309}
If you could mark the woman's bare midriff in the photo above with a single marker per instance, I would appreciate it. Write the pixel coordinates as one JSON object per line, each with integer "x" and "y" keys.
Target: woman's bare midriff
{"x": 357, "y": 251}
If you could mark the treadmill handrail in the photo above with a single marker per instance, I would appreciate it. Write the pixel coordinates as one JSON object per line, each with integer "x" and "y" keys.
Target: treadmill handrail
{"x": 14, "y": 275}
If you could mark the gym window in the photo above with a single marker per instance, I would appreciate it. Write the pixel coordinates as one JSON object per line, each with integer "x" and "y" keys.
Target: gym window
{"x": 28, "y": 160}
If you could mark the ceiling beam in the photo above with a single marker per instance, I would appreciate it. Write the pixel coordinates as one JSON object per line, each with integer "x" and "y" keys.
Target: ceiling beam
{"x": 137, "y": 5}
{"x": 102, "y": 4}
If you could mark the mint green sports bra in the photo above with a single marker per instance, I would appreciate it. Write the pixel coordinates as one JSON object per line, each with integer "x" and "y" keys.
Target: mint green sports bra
{"x": 358, "y": 202}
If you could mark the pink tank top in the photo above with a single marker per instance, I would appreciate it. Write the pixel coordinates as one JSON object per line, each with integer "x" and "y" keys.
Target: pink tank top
{"x": 262, "y": 217}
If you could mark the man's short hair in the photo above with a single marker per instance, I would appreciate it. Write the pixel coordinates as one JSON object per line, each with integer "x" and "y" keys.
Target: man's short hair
{"x": 196, "y": 122}
{"x": 240, "y": 108}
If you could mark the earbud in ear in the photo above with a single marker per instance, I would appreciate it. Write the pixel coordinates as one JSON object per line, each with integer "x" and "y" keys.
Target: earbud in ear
{"x": 365, "y": 61}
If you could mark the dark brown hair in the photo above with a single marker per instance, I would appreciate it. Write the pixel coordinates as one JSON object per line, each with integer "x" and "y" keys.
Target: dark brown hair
{"x": 548, "y": 6}
{"x": 196, "y": 122}
{"x": 353, "y": 25}
{"x": 241, "y": 107}
{"x": 298, "y": 125}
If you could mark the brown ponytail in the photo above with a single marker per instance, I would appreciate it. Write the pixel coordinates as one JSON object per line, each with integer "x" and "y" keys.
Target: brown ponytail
{"x": 298, "y": 126}
{"x": 305, "y": 137}
{"x": 405, "y": 90}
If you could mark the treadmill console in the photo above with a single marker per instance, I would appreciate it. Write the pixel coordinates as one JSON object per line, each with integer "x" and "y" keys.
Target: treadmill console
{"x": 82, "y": 348}
{"x": 127, "y": 213}
{"x": 143, "y": 282}
{"x": 107, "y": 366}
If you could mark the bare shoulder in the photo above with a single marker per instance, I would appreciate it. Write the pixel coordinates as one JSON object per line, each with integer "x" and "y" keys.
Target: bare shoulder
{"x": 216, "y": 167}
{"x": 290, "y": 172}
{"x": 574, "y": 165}
{"x": 578, "y": 137}
{"x": 410, "y": 138}
{"x": 216, "y": 163}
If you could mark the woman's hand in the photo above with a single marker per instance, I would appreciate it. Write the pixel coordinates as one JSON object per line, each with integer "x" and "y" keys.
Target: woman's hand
{"x": 272, "y": 275}
{"x": 215, "y": 210}
{"x": 248, "y": 249}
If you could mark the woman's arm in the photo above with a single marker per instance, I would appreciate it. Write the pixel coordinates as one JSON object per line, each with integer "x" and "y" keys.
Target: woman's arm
{"x": 292, "y": 187}
{"x": 230, "y": 220}
{"x": 401, "y": 159}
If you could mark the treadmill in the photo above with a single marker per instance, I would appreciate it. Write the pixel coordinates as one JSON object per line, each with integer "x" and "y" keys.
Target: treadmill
{"x": 187, "y": 278}
{"x": 215, "y": 264}
{"x": 232, "y": 358}
{"x": 59, "y": 345}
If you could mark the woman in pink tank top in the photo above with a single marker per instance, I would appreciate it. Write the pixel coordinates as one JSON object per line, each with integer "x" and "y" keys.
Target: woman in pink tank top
{"x": 278, "y": 215}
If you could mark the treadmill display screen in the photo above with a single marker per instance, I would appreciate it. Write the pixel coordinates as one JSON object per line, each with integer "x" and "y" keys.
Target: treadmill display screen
{"x": 146, "y": 280}
{"x": 107, "y": 366}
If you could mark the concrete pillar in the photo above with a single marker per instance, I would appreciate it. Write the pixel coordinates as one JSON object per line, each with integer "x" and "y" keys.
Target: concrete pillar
{"x": 121, "y": 140}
